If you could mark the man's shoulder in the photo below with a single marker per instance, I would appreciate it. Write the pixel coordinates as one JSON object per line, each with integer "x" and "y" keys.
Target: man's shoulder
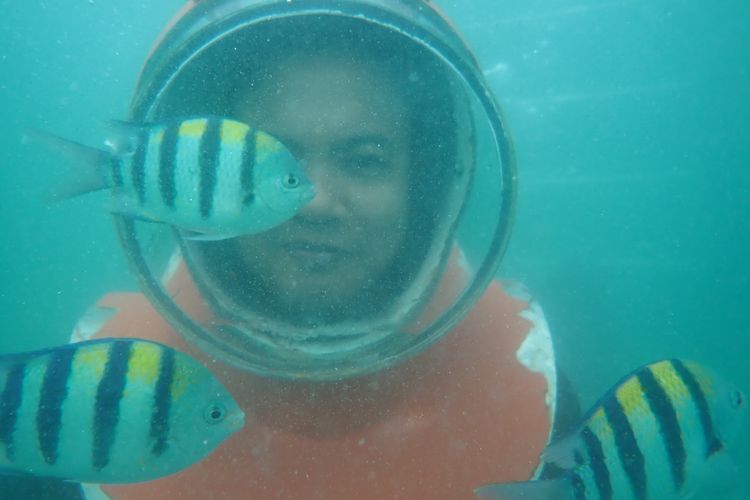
{"x": 537, "y": 353}
{"x": 512, "y": 305}
{"x": 537, "y": 350}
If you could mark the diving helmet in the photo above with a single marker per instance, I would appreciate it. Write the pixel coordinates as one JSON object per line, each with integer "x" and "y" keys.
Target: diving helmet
{"x": 289, "y": 305}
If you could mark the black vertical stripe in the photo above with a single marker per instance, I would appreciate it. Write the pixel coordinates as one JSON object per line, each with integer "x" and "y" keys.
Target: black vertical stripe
{"x": 162, "y": 403}
{"x": 168, "y": 163}
{"x": 138, "y": 166}
{"x": 51, "y": 397}
{"x": 10, "y": 402}
{"x": 713, "y": 444}
{"x": 107, "y": 404}
{"x": 116, "y": 165}
{"x": 630, "y": 455}
{"x": 669, "y": 427}
{"x": 248, "y": 166}
{"x": 210, "y": 147}
{"x": 597, "y": 463}
{"x": 579, "y": 486}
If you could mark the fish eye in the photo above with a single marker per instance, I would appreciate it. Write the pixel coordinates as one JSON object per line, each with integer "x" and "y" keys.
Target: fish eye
{"x": 291, "y": 181}
{"x": 215, "y": 413}
{"x": 738, "y": 399}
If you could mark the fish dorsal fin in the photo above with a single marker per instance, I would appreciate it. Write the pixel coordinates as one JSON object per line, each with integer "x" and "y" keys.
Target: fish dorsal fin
{"x": 562, "y": 452}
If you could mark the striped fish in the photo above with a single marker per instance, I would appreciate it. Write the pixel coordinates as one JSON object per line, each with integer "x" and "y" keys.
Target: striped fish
{"x": 110, "y": 411}
{"x": 215, "y": 177}
{"x": 655, "y": 435}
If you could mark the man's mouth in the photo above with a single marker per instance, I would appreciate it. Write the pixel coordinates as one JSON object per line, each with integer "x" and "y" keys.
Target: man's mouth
{"x": 314, "y": 254}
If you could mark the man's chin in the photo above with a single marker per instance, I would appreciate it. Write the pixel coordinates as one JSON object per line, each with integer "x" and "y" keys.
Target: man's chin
{"x": 318, "y": 303}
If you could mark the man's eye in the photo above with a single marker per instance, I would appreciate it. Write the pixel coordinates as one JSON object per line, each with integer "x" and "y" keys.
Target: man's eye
{"x": 368, "y": 164}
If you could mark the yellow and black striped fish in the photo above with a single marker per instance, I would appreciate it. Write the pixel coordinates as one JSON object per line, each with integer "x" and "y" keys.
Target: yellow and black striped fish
{"x": 213, "y": 176}
{"x": 110, "y": 411}
{"x": 653, "y": 436}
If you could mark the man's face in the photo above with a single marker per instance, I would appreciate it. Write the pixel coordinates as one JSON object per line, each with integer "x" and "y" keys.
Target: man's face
{"x": 346, "y": 123}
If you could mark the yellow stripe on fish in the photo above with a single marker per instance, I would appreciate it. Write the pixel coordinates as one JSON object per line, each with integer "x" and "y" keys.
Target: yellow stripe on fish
{"x": 93, "y": 360}
{"x": 600, "y": 425}
{"x": 233, "y": 132}
{"x": 157, "y": 136}
{"x": 670, "y": 381}
{"x": 704, "y": 379}
{"x": 266, "y": 143}
{"x": 144, "y": 362}
{"x": 630, "y": 396}
{"x": 193, "y": 128}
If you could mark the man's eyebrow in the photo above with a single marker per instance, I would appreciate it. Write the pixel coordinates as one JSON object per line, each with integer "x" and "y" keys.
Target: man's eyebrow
{"x": 344, "y": 145}
{"x": 364, "y": 140}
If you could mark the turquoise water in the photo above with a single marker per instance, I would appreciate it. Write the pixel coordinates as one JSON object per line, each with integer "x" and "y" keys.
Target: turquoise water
{"x": 629, "y": 120}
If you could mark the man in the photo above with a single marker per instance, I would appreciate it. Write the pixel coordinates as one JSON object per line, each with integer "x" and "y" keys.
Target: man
{"x": 365, "y": 338}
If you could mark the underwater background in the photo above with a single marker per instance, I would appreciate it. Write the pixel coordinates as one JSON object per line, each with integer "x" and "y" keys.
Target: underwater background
{"x": 630, "y": 122}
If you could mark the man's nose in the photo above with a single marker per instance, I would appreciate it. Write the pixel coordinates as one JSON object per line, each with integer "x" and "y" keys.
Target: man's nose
{"x": 329, "y": 194}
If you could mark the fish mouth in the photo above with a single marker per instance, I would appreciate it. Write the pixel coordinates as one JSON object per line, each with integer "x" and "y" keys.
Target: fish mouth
{"x": 306, "y": 194}
{"x": 236, "y": 421}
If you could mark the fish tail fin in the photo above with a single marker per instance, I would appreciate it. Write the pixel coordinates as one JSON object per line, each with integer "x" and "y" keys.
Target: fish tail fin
{"x": 550, "y": 489}
{"x": 92, "y": 171}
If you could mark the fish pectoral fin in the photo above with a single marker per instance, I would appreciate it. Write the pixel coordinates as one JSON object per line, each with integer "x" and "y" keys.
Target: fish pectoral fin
{"x": 554, "y": 489}
{"x": 127, "y": 207}
{"x": 7, "y": 471}
{"x": 197, "y": 236}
